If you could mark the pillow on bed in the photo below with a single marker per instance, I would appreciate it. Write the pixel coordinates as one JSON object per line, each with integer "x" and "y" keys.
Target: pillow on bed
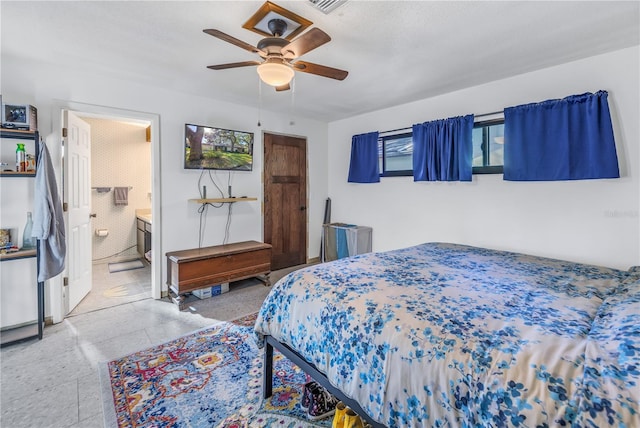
{"x": 610, "y": 390}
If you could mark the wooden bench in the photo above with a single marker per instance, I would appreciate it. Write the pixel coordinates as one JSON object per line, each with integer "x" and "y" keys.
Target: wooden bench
{"x": 189, "y": 270}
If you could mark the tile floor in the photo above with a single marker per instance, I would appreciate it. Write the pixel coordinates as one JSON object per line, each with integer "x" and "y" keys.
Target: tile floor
{"x": 113, "y": 289}
{"x": 54, "y": 382}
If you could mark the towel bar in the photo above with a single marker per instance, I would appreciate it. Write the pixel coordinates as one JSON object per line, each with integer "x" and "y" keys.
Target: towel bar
{"x": 106, "y": 189}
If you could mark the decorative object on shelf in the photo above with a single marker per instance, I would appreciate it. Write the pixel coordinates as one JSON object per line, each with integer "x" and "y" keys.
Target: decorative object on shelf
{"x": 28, "y": 241}
{"x": 8, "y": 238}
{"x": 23, "y": 117}
{"x": 5, "y": 238}
{"x": 31, "y": 163}
{"x": 21, "y": 158}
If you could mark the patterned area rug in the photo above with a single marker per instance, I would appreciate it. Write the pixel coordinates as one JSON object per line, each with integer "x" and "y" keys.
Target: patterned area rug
{"x": 209, "y": 378}
{"x": 246, "y": 321}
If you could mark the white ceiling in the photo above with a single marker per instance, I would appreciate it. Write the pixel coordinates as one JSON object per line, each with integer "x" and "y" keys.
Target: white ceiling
{"x": 395, "y": 51}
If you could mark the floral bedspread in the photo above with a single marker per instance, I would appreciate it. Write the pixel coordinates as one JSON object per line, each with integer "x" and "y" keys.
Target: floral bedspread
{"x": 445, "y": 335}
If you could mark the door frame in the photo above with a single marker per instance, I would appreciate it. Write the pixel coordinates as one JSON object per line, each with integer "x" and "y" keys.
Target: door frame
{"x": 56, "y": 297}
{"x": 306, "y": 170}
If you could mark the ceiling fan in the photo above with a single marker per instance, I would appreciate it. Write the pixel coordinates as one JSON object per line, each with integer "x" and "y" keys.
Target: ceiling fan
{"x": 280, "y": 56}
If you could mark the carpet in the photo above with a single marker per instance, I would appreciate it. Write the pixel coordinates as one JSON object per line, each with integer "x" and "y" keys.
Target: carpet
{"x": 246, "y": 321}
{"x": 209, "y": 378}
{"x": 128, "y": 265}
{"x": 244, "y": 296}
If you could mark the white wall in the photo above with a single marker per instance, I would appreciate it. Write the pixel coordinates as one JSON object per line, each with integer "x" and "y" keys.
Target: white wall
{"x": 593, "y": 221}
{"x": 45, "y": 86}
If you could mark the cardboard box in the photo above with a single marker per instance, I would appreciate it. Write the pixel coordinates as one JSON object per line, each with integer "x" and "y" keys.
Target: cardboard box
{"x": 214, "y": 290}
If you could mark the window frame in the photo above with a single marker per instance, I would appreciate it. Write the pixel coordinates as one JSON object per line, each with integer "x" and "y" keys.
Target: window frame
{"x": 381, "y": 141}
{"x": 475, "y": 170}
{"x": 487, "y": 169}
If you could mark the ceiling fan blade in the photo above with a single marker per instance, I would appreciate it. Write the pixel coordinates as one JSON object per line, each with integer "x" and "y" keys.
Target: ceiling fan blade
{"x": 305, "y": 43}
{"x": 284, "y": 87}
{"x": 233, "y": 65}
{"x": 320, "y": 70}
{"x": 230, "y": 39}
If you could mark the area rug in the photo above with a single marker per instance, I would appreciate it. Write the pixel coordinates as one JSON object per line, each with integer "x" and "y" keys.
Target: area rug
{"x": 247, "y": 320}
{"x": 209, "y": 378}
{"x": 126, "y": 265}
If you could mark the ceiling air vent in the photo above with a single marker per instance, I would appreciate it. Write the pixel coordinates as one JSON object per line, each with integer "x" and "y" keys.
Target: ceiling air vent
{"x": 326, "y": 6}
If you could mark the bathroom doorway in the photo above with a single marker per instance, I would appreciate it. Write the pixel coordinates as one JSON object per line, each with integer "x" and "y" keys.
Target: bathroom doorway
{"x": 121, "y": 196}
{"x": 111, "y": 287}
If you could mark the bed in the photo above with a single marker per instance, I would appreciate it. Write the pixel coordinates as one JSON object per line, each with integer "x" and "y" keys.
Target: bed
{"x": 450, "y": 335}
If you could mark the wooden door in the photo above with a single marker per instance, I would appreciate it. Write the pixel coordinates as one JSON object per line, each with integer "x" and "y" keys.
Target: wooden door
{"x": 77, "y": 197}
{"x": 285, "y": 199}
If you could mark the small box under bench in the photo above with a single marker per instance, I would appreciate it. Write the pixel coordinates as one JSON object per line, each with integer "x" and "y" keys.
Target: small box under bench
{"x": 189, "y": 270}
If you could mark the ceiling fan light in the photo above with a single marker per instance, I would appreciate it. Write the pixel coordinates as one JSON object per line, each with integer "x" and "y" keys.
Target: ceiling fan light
{"x": 275, "y": 74}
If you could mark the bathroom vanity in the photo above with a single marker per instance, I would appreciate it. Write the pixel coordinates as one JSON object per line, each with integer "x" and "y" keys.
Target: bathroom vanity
{"x": 143, "y": 232}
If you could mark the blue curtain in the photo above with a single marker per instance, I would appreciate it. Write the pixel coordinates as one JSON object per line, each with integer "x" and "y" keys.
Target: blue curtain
{"x": 364, "y": 166}
{"x": 443, "y": 150}
{"x": 567, "y": 139}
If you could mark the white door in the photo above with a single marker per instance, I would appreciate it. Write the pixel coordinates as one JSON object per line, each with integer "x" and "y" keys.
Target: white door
{"x": 77, "y": 196}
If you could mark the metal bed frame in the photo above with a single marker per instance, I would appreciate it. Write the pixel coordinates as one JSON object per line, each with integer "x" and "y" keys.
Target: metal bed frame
{"x": 311, "y": 370}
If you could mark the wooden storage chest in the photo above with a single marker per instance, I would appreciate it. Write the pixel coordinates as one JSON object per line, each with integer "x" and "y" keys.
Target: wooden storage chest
{"x": 189, "y": 270}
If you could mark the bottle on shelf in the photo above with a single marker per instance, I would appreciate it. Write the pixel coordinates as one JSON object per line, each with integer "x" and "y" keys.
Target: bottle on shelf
{"x": 21, "y": 158}
{"x": 28, "y": 241}
{"x": 30, "y": 163}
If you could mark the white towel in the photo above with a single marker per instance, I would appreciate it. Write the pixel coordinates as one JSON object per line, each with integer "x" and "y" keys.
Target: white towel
{"x": 121, "y": 195}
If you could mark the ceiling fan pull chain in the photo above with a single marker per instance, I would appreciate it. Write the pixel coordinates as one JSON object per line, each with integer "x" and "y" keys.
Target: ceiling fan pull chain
{"x": 259, "y": 100}
{"x": 293, "y": 93}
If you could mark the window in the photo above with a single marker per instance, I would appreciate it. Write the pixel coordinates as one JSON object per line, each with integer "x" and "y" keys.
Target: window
{"x": 395, "y": 152}
{"x": 488, "y": 147}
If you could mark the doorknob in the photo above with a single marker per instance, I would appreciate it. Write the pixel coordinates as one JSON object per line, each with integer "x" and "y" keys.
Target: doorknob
{"x": 92, "y": 215}
{"x": 303, "y": 208}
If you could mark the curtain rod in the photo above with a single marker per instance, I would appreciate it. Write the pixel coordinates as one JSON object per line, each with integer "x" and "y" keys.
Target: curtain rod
{"x": 408, "y": 128}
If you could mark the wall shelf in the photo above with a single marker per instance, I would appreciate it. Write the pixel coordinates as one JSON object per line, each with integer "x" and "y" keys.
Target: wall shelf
{"x": 17, "y": 174}
{"x": 222, "y": 200}
{"x": 32, "y": 330}
{"x": 18, "y": 134}
{"x": 20, "y": 254}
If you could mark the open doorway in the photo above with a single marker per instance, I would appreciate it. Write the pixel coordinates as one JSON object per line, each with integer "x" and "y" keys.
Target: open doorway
{"x": 133, "y": 280}
{"x": 120, "y": 195}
